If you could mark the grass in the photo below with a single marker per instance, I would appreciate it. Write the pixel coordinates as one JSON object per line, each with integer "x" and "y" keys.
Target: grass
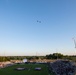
{"x": 11, "y": 70}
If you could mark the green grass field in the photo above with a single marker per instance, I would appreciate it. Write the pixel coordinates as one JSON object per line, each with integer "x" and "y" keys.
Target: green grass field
{"x": 11, "y": 70}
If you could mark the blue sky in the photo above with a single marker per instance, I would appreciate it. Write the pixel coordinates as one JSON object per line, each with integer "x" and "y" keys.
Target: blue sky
{"x": 21, "y": 34}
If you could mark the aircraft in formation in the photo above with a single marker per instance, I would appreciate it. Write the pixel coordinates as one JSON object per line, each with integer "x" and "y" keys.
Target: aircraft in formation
{"x": 38, "y": 21}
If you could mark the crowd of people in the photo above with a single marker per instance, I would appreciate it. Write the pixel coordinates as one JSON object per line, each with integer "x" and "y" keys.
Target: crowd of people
{"x": 61, "y": 67}
{"x": 5, "y": 64}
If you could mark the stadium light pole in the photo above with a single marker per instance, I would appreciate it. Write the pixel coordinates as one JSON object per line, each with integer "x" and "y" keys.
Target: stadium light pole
{"x": 75, "y": 48}
{"x": 57, "y": 53}
{"x": 74, "y": 42}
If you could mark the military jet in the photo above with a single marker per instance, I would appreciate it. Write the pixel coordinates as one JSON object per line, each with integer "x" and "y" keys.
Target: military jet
{"x": 38, "y": 21}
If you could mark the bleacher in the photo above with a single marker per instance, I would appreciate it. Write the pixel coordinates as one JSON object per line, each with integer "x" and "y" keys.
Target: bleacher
{"x": 61, "y": 67}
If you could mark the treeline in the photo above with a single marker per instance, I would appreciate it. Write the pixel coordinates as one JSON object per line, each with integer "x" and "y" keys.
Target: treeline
{"x": 4, "y": 59}
{"x": 55, "y": 56}
{"x": 49, "y": 56}
{"x": 8, "y": 58}
{"x": 61, "y": 56}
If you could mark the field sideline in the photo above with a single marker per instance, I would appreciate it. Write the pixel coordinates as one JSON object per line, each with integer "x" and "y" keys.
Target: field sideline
{"x": 11, "y": 70}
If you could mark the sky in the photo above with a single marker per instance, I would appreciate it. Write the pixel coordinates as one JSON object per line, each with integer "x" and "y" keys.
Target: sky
{"x": 21, "y": 34}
